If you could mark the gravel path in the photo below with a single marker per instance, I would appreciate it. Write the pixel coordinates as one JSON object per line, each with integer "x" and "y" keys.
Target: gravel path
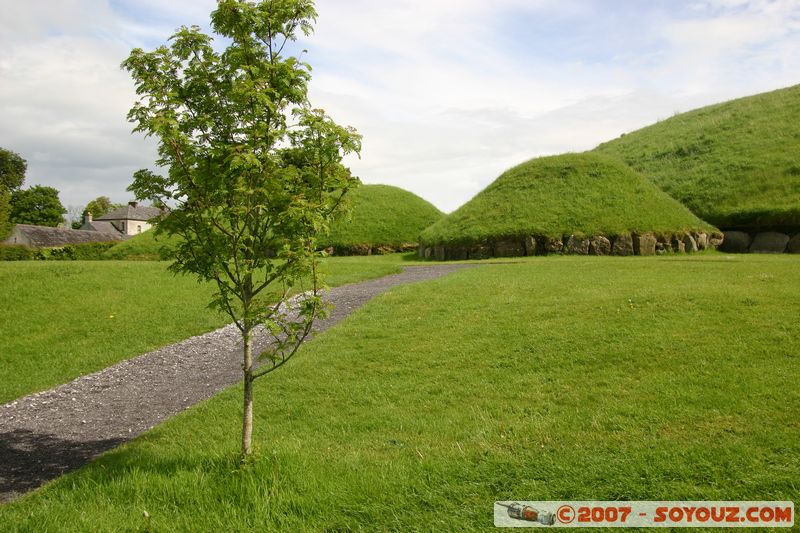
{"x": 49, "y": 433}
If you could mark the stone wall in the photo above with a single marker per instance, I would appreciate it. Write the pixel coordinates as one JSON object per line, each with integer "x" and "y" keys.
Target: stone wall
{"x": 622, "y": 245}
{"x": 370, "y": 249}
{"x": 765, "y": 242}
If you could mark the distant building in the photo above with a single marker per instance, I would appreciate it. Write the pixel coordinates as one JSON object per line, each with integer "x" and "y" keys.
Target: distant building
{"x": 129, "y": 220}
{"x": 46, "y": 237}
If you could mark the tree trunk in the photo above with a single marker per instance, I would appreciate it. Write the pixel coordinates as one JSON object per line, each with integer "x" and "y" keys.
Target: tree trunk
{"x": 247, "y": 417}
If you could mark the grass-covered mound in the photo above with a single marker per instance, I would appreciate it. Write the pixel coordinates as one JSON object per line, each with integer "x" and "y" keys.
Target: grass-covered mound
{"x": 577, "y": 203}
{"x": 383, "y": 219}
{"x": 733, "y": 164}
{"x": 143, "y": 247}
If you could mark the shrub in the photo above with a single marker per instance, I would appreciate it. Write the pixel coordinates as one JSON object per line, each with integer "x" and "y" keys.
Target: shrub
{"x": 16, "y": 252}
{"x": 90, "y": 251}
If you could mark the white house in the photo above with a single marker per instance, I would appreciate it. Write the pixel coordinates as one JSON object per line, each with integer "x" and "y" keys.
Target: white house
{"x": 129, "y": 220}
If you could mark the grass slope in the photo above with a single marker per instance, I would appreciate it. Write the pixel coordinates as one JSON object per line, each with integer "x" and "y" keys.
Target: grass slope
{"x": 734, "y": 164}
{"x": 559, "y": 378}
{"x": 382, "y": 215}
{"x": 66, "y": 319}
{"x": 560, "y": 195}
{"x": 144, "y": 246}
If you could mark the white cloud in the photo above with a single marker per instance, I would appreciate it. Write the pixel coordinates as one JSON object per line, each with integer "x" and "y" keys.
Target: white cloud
{"x": 447, "y": 93}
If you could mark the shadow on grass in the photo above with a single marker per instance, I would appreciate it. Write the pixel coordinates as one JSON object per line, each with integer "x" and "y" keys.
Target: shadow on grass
{"x": 412, "y": 257}
{"x": 29, "y": 459}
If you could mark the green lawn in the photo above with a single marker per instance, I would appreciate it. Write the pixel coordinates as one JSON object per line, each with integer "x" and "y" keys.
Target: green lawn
{"x": 558, "y": 378}
{"x": 64, "y": 319}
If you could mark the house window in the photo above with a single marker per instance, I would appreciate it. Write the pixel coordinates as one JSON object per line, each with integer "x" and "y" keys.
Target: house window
{"x": 139, "y": 228}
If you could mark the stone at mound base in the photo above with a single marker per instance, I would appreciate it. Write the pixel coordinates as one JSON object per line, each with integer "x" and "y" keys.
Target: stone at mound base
{"x": 644, "y": 244}
{"x": 715, "y": 241}
{"x": 702, "y": 241}
{"x": 599, "y": 246}
{"x": 794, "y": 245}
{"x": 530, "y": 245}
{"x": 457, "y": 253}
{"x": 552, "y": 245}
{"x": 689, "y": 244}
{"x": 736, "y": 242}
{"x": 480, "y": 251}
{"x": 623, "y": 245}
{"x": 509, "y": 248}
{"x": 769, "y": 242}
{"x": 577, "y": 246}
{"x": 678, "y": 245}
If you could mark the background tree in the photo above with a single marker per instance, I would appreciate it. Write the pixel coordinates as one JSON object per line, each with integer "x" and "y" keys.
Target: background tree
{"x": 12, "y": 175}
{"x": 37, "y": 205}
{"x": 12, "y": 170}
{"x": 254, "y": 172}
{"x": 99, "y": 206}
{"x": 5, "y": 213}
{"x": 74, "y": 216}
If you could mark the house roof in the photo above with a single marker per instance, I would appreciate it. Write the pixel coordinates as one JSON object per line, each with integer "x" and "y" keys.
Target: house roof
{"x": 43, "y": 236}
{"x": 130, "y": 212}
{"x": 103, "y": 227}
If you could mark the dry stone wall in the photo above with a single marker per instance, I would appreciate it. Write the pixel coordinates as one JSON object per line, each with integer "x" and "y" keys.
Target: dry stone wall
{"x": 765, "y": 242}
{"x": 621, "y": 245}
{"x": 370, "y": 249}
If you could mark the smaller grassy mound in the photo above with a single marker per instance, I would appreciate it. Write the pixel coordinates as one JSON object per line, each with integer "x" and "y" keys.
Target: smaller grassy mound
{"x": 541, "y": 204}
{"x": 383, "y": 219}
{"x": 143, "y": 247}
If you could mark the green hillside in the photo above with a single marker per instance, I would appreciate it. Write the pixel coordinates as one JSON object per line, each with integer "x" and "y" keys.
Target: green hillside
{"x": 144, "y": 246}
{"x": 735, "y": 164}
{"x": 382, "y": 217}
{"x": 583, "y": 194}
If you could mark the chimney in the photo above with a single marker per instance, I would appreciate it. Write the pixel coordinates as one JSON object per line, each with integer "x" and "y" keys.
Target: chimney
{"x": 87, "y": 217}
{"x": 133, "y": 204}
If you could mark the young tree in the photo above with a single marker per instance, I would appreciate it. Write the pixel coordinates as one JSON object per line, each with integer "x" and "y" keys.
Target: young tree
{"x": 37, "y": 205}
{"x": 254, "y": 172}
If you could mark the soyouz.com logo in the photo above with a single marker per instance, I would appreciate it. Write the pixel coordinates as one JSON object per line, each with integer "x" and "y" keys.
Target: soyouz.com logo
{"x": 643, "y": 514}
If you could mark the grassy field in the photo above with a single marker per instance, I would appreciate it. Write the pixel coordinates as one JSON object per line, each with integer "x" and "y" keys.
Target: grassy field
{"x": 561, "y": 195}
{"x": 382, "y": 215}
{"x": 733, "y": 164}
{"x": 62, "y": 320}
{"x": 557, "y": 378}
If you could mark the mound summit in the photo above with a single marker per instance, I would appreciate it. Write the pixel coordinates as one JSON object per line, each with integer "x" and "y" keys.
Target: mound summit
{"x": 572, "y": 203}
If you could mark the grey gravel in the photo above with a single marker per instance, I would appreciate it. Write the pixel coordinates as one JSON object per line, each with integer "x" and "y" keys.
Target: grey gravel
{"x": 46, "y": 434}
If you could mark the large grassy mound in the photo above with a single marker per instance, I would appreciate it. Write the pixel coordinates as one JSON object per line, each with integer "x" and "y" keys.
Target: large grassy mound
{"x": 382, "y": 218}
{"x": 733, "y": 164}
{"x": 547, "y": 199}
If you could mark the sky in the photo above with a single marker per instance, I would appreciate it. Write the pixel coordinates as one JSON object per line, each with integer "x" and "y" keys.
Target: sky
{"x": 446, "y": 93}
